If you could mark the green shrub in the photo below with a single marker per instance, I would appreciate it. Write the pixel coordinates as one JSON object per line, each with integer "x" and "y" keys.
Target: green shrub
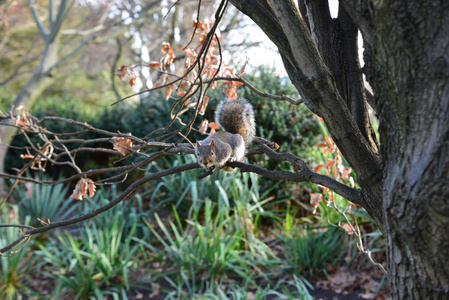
{"x": 205, "y": 251}
{"x": 15, "y": 266}
{"x": 140, "y": 119}
{"x": 308, "y": 249}
{"x": 131, "y": 212}
{"x": 46, "y": 202}
{"x": 97, "y": 262}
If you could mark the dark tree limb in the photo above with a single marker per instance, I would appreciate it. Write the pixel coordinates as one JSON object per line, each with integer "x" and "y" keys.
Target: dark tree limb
{"x": 305, "y": 173}
{"x": 125, "y": 194}
{"x": 286, "y": 26}
{"x": 264, "y": 147}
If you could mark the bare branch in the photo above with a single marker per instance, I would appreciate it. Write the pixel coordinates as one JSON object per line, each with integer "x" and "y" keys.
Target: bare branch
{"x": 355, "y": 229}
{"x": 305, "y": 173}
{"x": 44, "y": 32}
{"x": 260, "y": 93}
{"x": 120, "y": 173}
{"x": 125, "y": 194}
{"x": 353, "y": 195}
{"x": 63, "y": 9}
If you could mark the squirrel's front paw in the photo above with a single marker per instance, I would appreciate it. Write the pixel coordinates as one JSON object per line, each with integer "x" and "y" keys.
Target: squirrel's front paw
{"x": 232, "y": 159}
{"x": 215, "y": 169}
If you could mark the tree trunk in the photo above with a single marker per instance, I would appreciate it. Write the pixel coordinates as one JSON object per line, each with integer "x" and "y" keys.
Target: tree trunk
{"x": 42, "y": 76}
{"x": 406, "y": 184}
{"x": 338, "y": 99}
{"x": 407, "y": 63}
{"x": 416, "y": 198}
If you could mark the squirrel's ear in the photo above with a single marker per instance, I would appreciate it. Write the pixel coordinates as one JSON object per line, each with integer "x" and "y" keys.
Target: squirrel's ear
{"x": 212, "y": 143}
{"x": 198, "y": 144}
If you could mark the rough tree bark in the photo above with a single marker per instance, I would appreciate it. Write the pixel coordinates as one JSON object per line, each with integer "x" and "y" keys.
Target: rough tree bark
{"x": 408, "y": 66}
{"x": 405, "y": 183}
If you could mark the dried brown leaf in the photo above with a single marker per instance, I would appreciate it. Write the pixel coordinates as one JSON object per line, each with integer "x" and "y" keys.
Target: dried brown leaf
{"x": 168, "y": 91}
{"x": 213, "y": 125}
{"x": 85, "y": 187}
{"x": 203, "y": 126}
{"x": 122, "y": 145}
{"x": 315, "y": 199}
{"x": 348, "y": 229}
{"x": 203, "y": 106}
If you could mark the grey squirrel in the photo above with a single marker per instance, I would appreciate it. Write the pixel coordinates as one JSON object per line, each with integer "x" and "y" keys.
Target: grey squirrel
{"x": 236, "y": 117}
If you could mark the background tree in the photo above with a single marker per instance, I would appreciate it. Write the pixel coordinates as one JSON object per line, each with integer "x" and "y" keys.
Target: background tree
{"x": 85, "y": 40}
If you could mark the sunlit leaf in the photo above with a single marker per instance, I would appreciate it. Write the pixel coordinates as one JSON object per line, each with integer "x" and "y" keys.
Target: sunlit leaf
{"x": 318, "y": 168}
{"x": 321, "y": 145}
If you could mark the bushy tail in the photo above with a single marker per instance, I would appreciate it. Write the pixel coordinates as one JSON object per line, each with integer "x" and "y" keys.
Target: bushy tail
{"x": 237, "y": 116}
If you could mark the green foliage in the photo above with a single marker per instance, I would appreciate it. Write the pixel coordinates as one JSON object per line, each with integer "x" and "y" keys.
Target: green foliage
{"x": 63, "y": 106}
{"x": 217, "y": 237}
{"x": 139, "y": 118}
{"x": 186, "y": 192}
{"x": 97, "y": 262}
{"x": 307, "y": 249}
{"x": 215, "y": 245}
{"x": 326, "y": 214}
{"x": 296, "y": 288}
{"x": 219, "y": 244}
{"x": 15, "y": 266}
{"x": 131, "y": 212}
{"x": 46, "y": 202}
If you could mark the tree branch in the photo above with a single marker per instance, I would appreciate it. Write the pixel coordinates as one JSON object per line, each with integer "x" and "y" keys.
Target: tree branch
{"x": 259, "y": 92}
{"x": 44, "y": 33}
{"x": 305, "y": 173}
{"x": 63, "y": 9}
{"x": 353, "y": 195}
{"x": 125, "y": 194}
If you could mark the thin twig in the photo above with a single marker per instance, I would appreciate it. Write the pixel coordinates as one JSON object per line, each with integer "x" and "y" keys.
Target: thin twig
{"x": 125, "y": 194}
{"x": 356, "y": 231}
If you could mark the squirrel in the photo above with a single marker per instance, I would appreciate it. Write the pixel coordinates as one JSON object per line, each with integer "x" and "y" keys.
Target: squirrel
{"x": 236, "y": 117}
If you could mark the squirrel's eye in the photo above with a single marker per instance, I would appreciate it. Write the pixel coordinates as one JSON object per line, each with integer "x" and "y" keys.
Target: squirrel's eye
{"x": 212, "y": 153}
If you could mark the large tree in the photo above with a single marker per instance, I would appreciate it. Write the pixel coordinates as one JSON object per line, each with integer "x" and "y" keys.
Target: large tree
{"x": 404, "y": 182}
{"x": 403, "y": 178}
